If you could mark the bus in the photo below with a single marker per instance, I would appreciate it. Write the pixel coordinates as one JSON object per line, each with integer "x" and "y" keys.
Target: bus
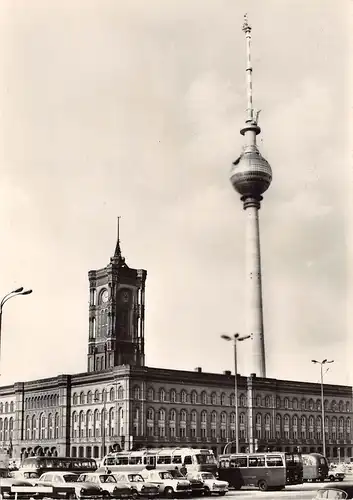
{"x": 315, "y": 467}
{"x": 263, "y": 470}
{"x": 193, "y": 459}
{"x": 39, "y": 465}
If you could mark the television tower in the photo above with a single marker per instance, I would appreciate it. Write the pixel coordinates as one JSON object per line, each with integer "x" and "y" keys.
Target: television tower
{"x": 251, "y": 176}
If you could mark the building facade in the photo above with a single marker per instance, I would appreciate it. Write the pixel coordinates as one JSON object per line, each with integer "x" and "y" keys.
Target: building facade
{"x": 120, "y": 403}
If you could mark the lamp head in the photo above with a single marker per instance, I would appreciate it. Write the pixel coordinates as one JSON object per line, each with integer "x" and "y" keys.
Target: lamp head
{"x": 18, "y": 290}
{"x": 225, "y": 337}
{"x": 27, "y": 292}
{"x": 314, "y": 361}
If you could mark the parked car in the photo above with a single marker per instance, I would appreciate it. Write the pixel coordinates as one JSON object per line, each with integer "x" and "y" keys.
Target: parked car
{"x": 167, "y": 484}
{"x": 336, "y": 474}
{"x": 108, "y": 483}
{"x": 197, "y": 485}
{"x": 66, "y": 485}
{"x": 31, "y": 477}
{"x": 139, "y": 486}
{"x": 342, "y": 491}
{"x": 7, "y": 480}
{"x": 211, "y": 484}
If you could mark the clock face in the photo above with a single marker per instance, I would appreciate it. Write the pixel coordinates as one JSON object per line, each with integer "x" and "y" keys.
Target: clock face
{"x": 105, "y": 296}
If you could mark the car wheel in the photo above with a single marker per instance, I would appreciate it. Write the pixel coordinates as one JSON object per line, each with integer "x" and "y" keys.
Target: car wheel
{"x": 71, "y": 496}
{"x": 106, "y": 494}
{"x": 207, "y": 491}
{"x": 221, "y": 493}
{"x": 263, "y": 486}
{"x": 169, "y": 492}
{"x": 331, "y": 479}
{"x": 134, "y": 494}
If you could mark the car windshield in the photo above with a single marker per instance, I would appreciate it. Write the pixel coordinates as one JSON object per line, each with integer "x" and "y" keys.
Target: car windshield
{"x": 332, "y": 494}
{"x": 31, "y": 475}
{"x": 165, "y": 475}
{"x": 135, "y": 478}
{"x": 70, "y": 478}
{"x": 205, "y": 459}
{"x": 207, "y": 475}
{"x": 107, "y": 478}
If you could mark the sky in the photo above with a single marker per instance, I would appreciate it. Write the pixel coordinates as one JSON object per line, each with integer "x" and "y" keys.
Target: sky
{"x": 134, "y": 109}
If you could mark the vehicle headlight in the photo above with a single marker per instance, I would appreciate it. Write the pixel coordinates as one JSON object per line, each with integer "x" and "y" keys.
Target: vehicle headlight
{"x": 214, "y": 485}
{"x": 82, "y": 490}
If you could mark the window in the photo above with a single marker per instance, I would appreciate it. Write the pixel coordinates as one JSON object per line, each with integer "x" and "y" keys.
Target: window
{"x": 136, "y": 392}
{"x": 193, "y": 416}
{"x": 295, "y": 404}
{"x": 172, "y": 415}
{"x": 242, "y": 400}
{"x": 120, "y": 393}
{"x": 223, "y": 399}
{"x": 239, "y": 462}
{"x": 183, "y": 416}
{"x": 172, "y": 396}
{"x": 204, "y": 398}
{"x": 161, "y": 414}
{"x": 214, "y": 398}
{"x": 286, "y": 403}
{"x": 257, "y": 461}
{"x": 258, "y": 401}
{"x": 89, "y": 397}
{"x": 194, "y": 397}
{"x": 267, "y": 401}
{"x": 150, "y": 414}
{"x": 274, "y": 461}
{"x": 82, "y": 398}
{"x": 183, "y": 396}
{"x": 162, "y": 395}
{"x": 112, "y": 394}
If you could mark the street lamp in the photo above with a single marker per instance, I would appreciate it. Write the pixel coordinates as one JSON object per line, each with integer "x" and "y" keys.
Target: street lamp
{"x": 236, "y": 338}
{"x": 14, "y": 293}
{"x": 321, "y": 363}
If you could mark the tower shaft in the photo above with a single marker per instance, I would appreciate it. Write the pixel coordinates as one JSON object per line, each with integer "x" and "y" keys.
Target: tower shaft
{"x": 254, "y": 309}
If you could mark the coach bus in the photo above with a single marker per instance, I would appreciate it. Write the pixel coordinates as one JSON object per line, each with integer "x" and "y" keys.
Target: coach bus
{"x": 38, "y": 465}
{"x": 192, "y": 459}
{"x": 263, "y": 470}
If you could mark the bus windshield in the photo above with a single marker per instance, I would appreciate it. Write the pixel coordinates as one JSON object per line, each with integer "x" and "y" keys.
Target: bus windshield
{"x": 205, "y": 459}
{"x": 292, "y": 458}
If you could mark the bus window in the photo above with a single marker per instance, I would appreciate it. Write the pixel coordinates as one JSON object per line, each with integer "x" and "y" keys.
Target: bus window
{"x": 122, "y": 460}
{"x": 224, "y": 464}
{"x": 135, "y": 460}
{"x": 164, "y": 460}
{"x": 238, "y": 462}
{"x": 274, "y": 461}
{"x": 188, "y": 460}
{"x": 177, "y": 459}
{"x": 257, "y": 461}
{"x": 110, "y": 461}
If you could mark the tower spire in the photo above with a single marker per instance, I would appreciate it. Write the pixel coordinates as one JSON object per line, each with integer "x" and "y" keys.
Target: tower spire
{"x": 117, "y": 253}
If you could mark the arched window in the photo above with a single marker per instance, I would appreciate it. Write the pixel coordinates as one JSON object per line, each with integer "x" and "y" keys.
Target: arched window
{"x": 50, "y": 426}
{"x": 204, "y": 417}
{"x": 295, "y": 421}
{"x": 204, "y": 397}
{"x": 223, "y": 399}
{"x": 325, "y": 405}
{"x": 295, "y": 404}
{"x": 183, "y": 416}
{"x": 267, "y": 419}
{"x": 278, "y": 402}
{"x": 223, "y": 417}
{"x": 162, "y": 395}
{"x": 81, "y": 424}
{"x": 112, "y": 394}
{"x": 89, "y": 397}
{"x": 311, "y": 421}
{"x": 348, "y": 406}
{"x": 258, "y": 401}
{"x": 278, "y": 420}
{"x": 340, "y": 406}
{"x": 56, "y": 426}
{"x": 267, "y": 401}
{"x": 334, "y": 405}
{"x": 120, "y": 393}
{"x": 34, "y": 428}
{"x": 136, "y": 392}
{"x": 150, "y": 414}
{"x": 258, "y": 419}
{"x": 193, "y": 416}
{"x": 232, "y": 399}
{"x": 242, "y": 400}
{"x": 11, "y": 429}
{"x": 172, "y": 415}
{"x": 303, "y": 404}
{"x": 161, "y": 415}
{"x": 286, "y": 403}
{"x": 286, "y": 420}
{"x": 213, "y": 398}
{"x": 42, "y": 426}
{"x": 318, "y": 405}
{"x": 348, "y": 425}
{"x": 303, "y": 421}
{"x": 74, "y": 399}
{"x": 89, "y": 424}
{"x": 213, "y": 417}
{"x": 28, "y": 428}
{"x": 6, "y": 429}
{"x": 311, "y": 404}
{"x": 172, "y": 396}
{"x": 11, "y": 407}
{"x": 96, "y": 396}
{"x": 241, "y": 419}
{"x": 82, "y": 398}
{"x": 183, "y": 396}
{"x": 150, "y": 394}
{"x": 194, "y": 397}
{"x": 96, "y": 423}
{"x": 6, "y": 407}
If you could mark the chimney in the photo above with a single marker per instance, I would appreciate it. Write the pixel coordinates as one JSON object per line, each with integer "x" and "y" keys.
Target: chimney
{"x": 227, "y": 372}
{"x": 198, "y": 369}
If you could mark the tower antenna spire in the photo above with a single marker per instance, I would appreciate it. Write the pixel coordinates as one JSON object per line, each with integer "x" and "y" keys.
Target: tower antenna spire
{"x": 117, "y": 253}
{"x": 250, "y": 109}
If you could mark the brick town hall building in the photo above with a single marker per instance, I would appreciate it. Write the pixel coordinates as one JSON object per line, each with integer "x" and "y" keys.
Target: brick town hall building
{"x": 150, "y": 407}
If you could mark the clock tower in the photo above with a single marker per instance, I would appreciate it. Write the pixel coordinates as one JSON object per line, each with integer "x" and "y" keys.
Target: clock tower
{"x": 116, "y": 315}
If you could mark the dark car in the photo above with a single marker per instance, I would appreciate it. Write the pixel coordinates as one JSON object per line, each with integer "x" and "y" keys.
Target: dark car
{"x": 335, "y": 491}
{"x": 197, "y": 486}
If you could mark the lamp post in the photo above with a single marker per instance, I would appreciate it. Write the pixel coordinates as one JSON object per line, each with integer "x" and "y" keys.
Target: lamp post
{"x": 322, "y": 363}
{"x": 236, "y": 338}
{"x": 14, "y": 293}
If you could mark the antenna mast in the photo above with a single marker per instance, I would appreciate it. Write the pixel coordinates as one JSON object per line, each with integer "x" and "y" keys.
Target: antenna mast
{"x": 250, "y": 109}
{"x": 118, "y": 235}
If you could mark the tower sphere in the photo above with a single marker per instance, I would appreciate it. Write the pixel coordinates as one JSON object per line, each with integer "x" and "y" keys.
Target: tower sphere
{"x": 251, "y": 174}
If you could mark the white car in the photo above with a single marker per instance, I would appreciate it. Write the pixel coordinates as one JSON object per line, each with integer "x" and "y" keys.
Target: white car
{"x": 211, "y": 484}
{"x": 108, "y": 483}
{"x": 167, "y": 484}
